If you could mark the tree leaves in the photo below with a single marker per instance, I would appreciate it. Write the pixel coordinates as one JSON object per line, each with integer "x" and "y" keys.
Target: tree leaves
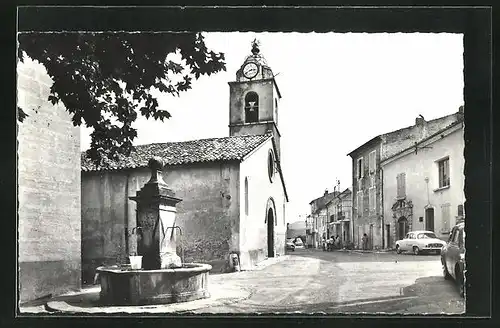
{"x": 105, "y": 79}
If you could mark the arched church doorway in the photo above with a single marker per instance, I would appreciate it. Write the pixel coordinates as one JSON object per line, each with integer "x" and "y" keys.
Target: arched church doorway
{"x": 402, "y": 227}
{"x": 270, "y": 233}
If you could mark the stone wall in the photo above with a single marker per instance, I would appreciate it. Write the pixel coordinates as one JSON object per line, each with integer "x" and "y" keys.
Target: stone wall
{"x": 374, "y": 221}
{"x": 207, "y": 214}
{"x": 370, "y": 220}
{"x": 48, "y": 190}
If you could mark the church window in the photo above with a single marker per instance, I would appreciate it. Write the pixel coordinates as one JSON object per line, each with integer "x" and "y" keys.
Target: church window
{"x": 251, "y": 107}
{"x": 270, "y": 165}
{"x": 246, "y": 195}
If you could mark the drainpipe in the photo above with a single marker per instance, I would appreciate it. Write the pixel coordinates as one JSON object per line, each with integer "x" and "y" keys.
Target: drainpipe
{"x": 382, "y": 202}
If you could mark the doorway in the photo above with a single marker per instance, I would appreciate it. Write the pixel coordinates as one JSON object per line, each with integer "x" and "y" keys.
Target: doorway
{"x": 402, "y": 227}
{"x": 370, "y": 244}
{"x": 388, "y": 236}
{"x": 270, "y": 233}
{"x": 429, "y": 219}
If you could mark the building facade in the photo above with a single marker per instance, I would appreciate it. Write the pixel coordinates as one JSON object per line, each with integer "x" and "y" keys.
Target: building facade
{"x": 340, "y": 213}
{"x": 424, "y": 185}
{"x": 48, "y": 185}
{"x": 367, "y": 180}
{"x": 319, "y": 218}
{"x": 232, "y": 188}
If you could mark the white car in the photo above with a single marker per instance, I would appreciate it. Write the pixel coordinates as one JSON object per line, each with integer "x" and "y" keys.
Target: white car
{"x": 420, "y": 242}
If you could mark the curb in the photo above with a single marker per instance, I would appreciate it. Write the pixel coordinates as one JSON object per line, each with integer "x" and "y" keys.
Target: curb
{"x": 221, "y": 295}
{"x": 264, "y": 264}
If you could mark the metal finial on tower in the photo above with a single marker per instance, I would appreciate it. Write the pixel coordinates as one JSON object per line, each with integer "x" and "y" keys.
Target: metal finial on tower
{"x": 255, "y": 46}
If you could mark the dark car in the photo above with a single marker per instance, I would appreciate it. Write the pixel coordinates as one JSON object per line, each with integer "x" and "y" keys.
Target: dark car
{"x": 453, "y": 256}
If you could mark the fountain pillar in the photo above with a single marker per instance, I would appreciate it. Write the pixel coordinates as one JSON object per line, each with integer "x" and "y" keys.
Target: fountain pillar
{"x": 163, "y": 278}
{"x": 156, "y": 221}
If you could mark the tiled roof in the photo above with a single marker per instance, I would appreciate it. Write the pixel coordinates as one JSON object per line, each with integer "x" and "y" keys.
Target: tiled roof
{"x": 407, "y": 136}
{"x": 323, "y": 200}
{"x": 342, "y": 194}
{"x": 185, "y": 152}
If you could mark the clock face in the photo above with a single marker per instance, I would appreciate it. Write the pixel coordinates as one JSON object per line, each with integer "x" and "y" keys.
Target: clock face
{"x": 250, "y": 70}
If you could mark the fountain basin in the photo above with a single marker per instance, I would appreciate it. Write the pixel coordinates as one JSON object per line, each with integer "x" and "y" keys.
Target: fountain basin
{"x": 145, "y": 287}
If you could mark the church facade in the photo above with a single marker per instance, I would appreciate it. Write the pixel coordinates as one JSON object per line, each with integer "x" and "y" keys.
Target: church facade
{"x": 232, "y": 188}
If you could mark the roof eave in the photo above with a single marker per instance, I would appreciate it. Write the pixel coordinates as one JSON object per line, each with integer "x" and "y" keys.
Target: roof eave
{"x": 450, "y": 127}
{"x": 278, "y": 162}
{"x": 377, "y": 138}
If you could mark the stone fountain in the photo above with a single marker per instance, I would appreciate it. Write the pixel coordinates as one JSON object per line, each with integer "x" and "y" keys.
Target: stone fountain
{"x": 162, "y": 278}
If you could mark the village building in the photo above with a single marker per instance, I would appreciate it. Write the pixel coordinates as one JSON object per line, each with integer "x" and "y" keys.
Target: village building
{"x": 48, "y": 189}
{"x": 367, "y": 180}
{"x": 318, "y": 228}
{"x": 423, "y": 185}
{"x": 339, "y": 211}
{"x": 232, "y": 188}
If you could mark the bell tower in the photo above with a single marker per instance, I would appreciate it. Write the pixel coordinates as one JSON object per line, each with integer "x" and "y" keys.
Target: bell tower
{"x": 254, "y": 98}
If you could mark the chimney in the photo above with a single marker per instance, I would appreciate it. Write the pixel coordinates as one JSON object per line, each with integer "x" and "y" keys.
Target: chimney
{"x": 460, "y": 114}
{"x": 326, "y": 192}
{"x": 420, "y": 121}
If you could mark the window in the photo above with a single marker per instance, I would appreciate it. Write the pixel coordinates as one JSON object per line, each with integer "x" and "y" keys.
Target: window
{"x": 411, "y": 236}
{"x": 444, "y": 172}
{"x": 372, "y": 199}
{"x": 360, "y": 168}
{"x": 371, "y": 162}
{"x": 270, "y": 165}
{"x": 246, "y": 195}
{"x": 429, "y": 219}
{"x": 360, "y": 203}
{"x": 401, "y": 185}
{"x": 251, "y": 107}
{"x": 445, "y": 218}
{"x": 426, "y": 235}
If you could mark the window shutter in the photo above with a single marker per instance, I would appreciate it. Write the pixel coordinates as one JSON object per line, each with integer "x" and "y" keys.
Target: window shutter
{"x": 398, "y": 181}
{"x": 401, "y": 188}
{"x": 371, "y": 159}
{"x": 360, "y": 203}
{"x": 403, "y": 184}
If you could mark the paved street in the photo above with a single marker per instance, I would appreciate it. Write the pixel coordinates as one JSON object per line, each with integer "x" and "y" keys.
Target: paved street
{"x": 311, "y": 281}
{"x": 333, "y": 282}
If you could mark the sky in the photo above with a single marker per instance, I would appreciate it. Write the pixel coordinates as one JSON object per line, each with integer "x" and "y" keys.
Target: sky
{"x": 338, "y": 90}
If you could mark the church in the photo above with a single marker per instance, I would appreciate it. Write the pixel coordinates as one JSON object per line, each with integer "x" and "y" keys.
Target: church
{"x": 232, "y": 188}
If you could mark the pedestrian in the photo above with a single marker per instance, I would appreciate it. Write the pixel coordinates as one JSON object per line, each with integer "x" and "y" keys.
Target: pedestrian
{"x": 337, "y": 242}
{"x": 331, "y": 243}
{"x": 364, "y": 240}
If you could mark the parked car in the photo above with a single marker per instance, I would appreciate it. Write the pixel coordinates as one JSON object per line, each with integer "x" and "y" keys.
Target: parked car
{"x": 453, "y": 256}
{"x": 290, "y": 246}
{"x": 420, "y": 242}
{"x": 298, "y": 243}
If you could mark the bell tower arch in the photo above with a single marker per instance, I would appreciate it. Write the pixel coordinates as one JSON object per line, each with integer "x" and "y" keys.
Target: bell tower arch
{"x": 254, "y": 98}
